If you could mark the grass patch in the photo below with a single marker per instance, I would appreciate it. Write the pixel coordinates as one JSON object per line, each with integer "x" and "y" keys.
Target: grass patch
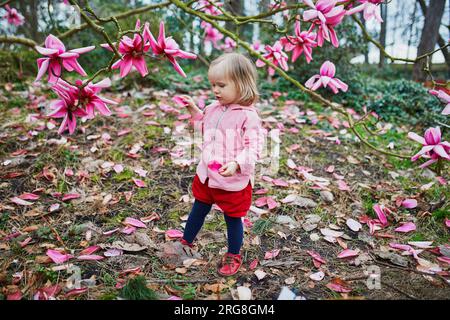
{"x": 136, "y": 289}
{"x": 67, "y": 158}
{"x": 189, "y": 292}
{"x": 442, "y": 213}
{"x": 261, "y": 226}
{"x": 4, "y": 217}
{"x": 45, "y": 233}
{"x": 400, "y": 164}
{"x": 108, "y": 280}
{"x": 417, "y": 237}
{"x": 110, "y": 295}
{"x": 216, "y": 224}
{"x": 62, "y": 186}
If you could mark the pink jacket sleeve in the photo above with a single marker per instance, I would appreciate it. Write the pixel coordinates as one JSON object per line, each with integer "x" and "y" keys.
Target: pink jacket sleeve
{"x": 254, "y": 140}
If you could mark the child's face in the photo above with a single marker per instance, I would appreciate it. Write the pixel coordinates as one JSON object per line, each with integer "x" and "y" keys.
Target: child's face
{"x": 224, "y": 89}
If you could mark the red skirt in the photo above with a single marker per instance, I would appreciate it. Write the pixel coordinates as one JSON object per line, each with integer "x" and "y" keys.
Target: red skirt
{"x": 233, "y": 203}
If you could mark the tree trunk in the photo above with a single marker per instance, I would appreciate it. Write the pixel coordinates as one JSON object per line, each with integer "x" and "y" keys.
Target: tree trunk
{"x": 440, "y": 40}
{"x": 383, "y": 30}
{"x": 429, "y": 37}
{"x": 366, "y": 51}
{"x": 29, "y": 9}
{"x": 236, "y": 8}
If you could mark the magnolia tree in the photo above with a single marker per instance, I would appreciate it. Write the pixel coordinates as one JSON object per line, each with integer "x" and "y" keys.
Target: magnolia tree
{"x": 308, "y": 26}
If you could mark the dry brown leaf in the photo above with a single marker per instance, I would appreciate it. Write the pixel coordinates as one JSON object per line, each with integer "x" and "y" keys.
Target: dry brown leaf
{"x": 215, "y": 288}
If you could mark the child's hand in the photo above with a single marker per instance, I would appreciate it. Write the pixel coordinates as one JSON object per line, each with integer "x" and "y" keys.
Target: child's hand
{"x": 189, "y": 101}
{"x": 229, "y": 169}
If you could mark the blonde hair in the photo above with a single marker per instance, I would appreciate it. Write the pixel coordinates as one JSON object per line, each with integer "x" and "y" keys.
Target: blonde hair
{"x": 241, "y": 70}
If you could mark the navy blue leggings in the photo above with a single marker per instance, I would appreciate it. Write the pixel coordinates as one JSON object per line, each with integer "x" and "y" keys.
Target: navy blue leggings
{"x": 200, "y": 210}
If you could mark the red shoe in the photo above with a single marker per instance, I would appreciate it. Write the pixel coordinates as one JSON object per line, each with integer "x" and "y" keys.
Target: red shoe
{"x": 185, "y": 243}
{"x": 230, "y": 264}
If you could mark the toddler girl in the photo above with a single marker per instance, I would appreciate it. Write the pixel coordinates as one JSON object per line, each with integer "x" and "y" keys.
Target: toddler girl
{"x": 232, "y": 142}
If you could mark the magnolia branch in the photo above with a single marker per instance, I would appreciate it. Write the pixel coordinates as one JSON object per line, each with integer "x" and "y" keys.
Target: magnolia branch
{"x": 18, "y": 40}
{"x": 27, "y": 42}
{"x": 383, "y": 50}
{"x": 213, "y": 20}
{"x": 337, "y": 107}
{"x": 4, "y": 3}
{"x": 95, "y": 26}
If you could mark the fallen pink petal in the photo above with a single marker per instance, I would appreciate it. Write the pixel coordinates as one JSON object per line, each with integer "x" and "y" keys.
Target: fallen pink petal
{"x": 139, "y": 183}
{"x": 90, "y": 257}
{"x": 271, "y": 254}
{"x": 409, "y": 203}
{"x": 172, "y": 233}
{"x": 57, "y": 256}
{"x": 347, "y": 253}
{"x": 406, "y": 227}
{"x": 134, "y": 222}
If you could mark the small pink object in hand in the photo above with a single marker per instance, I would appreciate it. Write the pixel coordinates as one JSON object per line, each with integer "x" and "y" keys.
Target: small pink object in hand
{"x": 214, "y": 165}
{"x": 179, "y": 101}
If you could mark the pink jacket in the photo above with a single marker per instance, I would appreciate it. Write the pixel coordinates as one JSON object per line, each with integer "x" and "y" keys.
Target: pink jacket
{"x": 230, "y": 133}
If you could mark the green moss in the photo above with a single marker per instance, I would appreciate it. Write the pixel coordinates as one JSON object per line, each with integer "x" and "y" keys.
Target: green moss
{"x": 142, "y": 194}
{"x": 152, "y": 132}
{"x": 117, "y": 219}
{"x": 127, "y": 140}
{"x": 174, "y": 215}
{"x": 96, "y": 178}
{"x": 62, "y": 186}
{"x": 45, "y": 233}
{"x": 125, "y": 175}
{"x": 109, "y": 296}
{"x": 117, "y": 155}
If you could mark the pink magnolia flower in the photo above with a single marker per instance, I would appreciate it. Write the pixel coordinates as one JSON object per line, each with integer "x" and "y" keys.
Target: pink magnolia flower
{"x": 13, "y": 16}
{"x": 276, "y": 55}
{"x": 371, "y": 9}
{"x": 433, "y": 147}
{"x": 210, "y": 7}
{"x": 381, "y": 212}
{"x": 327, "y": 16}
{"x": 133, "y": 53}
{"x": 326, "y": 79}
{"x": 229, "y": 45}
{"x": 57, "y": 56}
{"x": 67, "y": 107}
{"x": 303, "y": 42}
{"x": 78, "y": 102}
{"x": 90, "y": 99}
{"x": 211, "y": 34}
{"x": 167, "y": 47}
{"x": 444, "y": 97}
{"x": 256, "y": 46}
